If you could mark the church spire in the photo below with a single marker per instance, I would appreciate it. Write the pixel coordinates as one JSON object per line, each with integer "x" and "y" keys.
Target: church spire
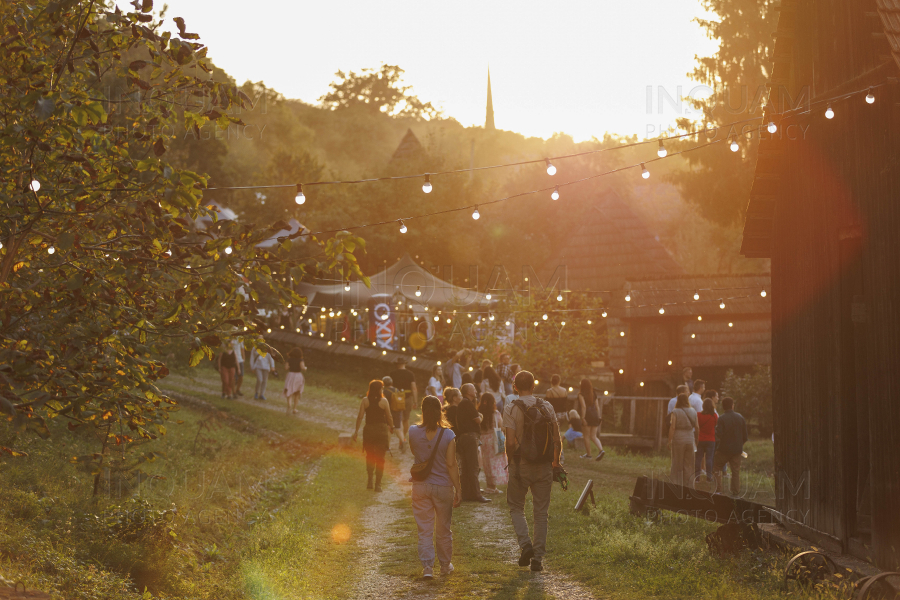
{"x": 489, "y": 116}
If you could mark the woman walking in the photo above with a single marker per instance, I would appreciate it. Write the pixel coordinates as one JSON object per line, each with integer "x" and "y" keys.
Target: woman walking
{"x": 683, "y": 435}
{"x": 493, "y": 457}
{"x": 707, "y": 421}
{"x": 377, "y": 432}
{"x": 589, "y": 408}
{"x": 294, "y": 382}
{"x": 227, "y": 363}
{"x": 435, "y": 385}
{"x": 433, "y": 498}
{"x": 261, "y": 362}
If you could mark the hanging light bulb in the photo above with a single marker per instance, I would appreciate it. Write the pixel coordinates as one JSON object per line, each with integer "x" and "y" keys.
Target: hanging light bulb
{"x": 551, "y": 170}
{"x": 228, "y": 250}
{"x": 347, "y": 286}
{"x": 491, "y": 317}
{"x": 436, "y": 318}
{"x": 763, "y": 293}
{"x": 621, "y": 334}
{"x": 731, "y": 324}
{"x": 721, "y": 303}
{"x": 627, "y": 296}
{"x": 426, "y": 187}
{"x": 772, "y": 127}
{"x": 644, "y": 172}
{"x": 697, "y": 295}
{"x": 544, "y": 317}
{"x": 829, "y": 113}
{"x": 487, "y": 296}
{"x": 535, "y": 323}
{"x": 555, "y": 194}
{"x": 35, "y": 185}
{"x": 448, "y": 321}
{"x": 475, "y": 214}
{"x": 559, "y": 297}
{"x": 734, "y": 145}
{"x": 662, "y": 311}
{"x": 693, "y": 336}
{"x": 661, "y": 151}
{"x": 402, "y": 226}
{"x": 507, "y": 323}
{"x": 562, "y": 323}
{"x": 699, "y": 318}
{"x": 300, "y": 198}
{"x": 51, "y": 250}
{"x": 603, "y": 314}
{"x": 589, "y": 321}
{"x": 870, "y": 98}
{"x": 418, "y": 291}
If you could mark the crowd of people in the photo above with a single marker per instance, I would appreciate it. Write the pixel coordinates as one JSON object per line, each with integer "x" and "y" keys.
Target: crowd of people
{"x": 230, "y": 364}
{"x": 702, "y": 442}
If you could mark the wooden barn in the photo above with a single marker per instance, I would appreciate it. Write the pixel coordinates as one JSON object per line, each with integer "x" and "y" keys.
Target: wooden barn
{"x": 825, "y": 207}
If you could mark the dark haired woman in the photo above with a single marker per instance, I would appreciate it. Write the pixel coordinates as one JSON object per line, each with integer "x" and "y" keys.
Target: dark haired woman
{"x": 589, "y": 406}
{"x": 682, "y": 439}
{"x": 707, "y": 420}
{"x": 294, "y": 382}
{"x": 377, "y": 432}
{"x": 493, "y": 459}
{"x": 434, "y": 498}
{"x": 493, "y": 385}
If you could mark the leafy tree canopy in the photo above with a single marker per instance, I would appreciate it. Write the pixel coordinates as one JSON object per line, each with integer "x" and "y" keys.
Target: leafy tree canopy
{"x": 377, "y": 91}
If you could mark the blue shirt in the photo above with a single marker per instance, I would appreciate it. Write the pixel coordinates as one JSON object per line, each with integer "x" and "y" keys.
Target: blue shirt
{"x": 421, "y": 449}
{"x": 572, "y": 435}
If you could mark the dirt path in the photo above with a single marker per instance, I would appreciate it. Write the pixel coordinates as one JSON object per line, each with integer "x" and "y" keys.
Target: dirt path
{"x": 378, "y": 517}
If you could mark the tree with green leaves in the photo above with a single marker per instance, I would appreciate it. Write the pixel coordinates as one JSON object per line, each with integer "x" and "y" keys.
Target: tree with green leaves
{"x": 102, "y": 260}
{"x": 377, "y": 91}
{"x": 719, "y": 180}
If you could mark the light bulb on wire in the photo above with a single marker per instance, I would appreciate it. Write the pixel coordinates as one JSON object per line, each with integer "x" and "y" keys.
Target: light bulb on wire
{"x": 627, "y": 296}
{"x": 426, "y": 187}
{"x": 870, "y": 98}
{"x": 734, "y": 145}
{"x": 721, "y": 304}
{"x": 35, "y": 185}
{"x": 763, "y": 293}
{"x": 475, "y": 214}
{"x": 544, "y": 317}
{"x": 661, "y": 151}
{"x": 662, "y": 311}
{"x": 402, "y": 226}
{"x": 697, "y": 295}
{"x": 300, "y": 198}
{"x": 555, "y": 194}
{"x": 228, "y": 250}
{"x": 559, "y": 297}
{"x": 829, "y": 112}
{"x": 644, "y": 172}
{"x": 418, "y": 291}
{"x": 347, "y": 286}
{"x": 487, "y": 296}
{"x": 603, "y": 314}
{"x": 551, "y": 170}
{"x": 772, "y": 127}
{"x": 51, "y": 250}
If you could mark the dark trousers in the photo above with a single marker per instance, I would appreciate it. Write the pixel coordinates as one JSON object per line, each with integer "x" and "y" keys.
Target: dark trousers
{"x": 375, "y": 462}
{"x": 467, "y": 448}
{"x": 707, "y": 449}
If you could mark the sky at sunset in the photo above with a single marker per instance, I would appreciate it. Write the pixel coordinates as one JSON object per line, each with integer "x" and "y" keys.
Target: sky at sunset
{"x": 579, "y": 67}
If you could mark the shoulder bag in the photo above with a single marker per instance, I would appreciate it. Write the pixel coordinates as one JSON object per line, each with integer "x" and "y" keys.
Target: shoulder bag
{"x": 421, "y": 471}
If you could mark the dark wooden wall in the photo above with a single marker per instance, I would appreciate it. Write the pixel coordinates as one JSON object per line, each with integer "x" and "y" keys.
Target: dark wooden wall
{"x": 836, "y": 289}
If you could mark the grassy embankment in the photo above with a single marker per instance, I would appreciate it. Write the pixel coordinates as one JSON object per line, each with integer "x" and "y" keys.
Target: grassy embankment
{"x": 253, "y": 513}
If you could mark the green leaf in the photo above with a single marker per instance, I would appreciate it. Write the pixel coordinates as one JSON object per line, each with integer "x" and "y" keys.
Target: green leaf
{"x": 75, "y": 282}
{"x": 44, "y": 108}
{"x": 65, "y": 240}
{"x": 196, "y": 356}
{"x": 80, "y": 115}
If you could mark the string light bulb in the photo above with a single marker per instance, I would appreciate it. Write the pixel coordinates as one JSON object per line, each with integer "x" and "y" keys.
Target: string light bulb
{"x": 699, "y": 317}
{"x": 507, "y": 323}
{"x": 662, "y": 311}
{"x": 644, "y": 172}
{"x": 870, "y": 98}
{"x": 544, "y": 317}
{"x": 228, "y": 250}
{"x": 589, "y": 321}
{"x": 436, "y": 318}
{"x": 721, "y": 303}
{"x": 829, "y": 112}
{"x": 418, "y": 291}
{"x": 51, "y": 250}
{"x": 555, "y": 194}
{"x": 426, "y": 187}
{"x": 300, "y": 198}
{"x": 562, "y": 323}
{"x": 35, "y": 185}
{"x": 763, "y": 293}
{"x": 487, "y": 296}
{"x": 551, "y": 170}
{"x": 661, "y": 151}
{"x": 559, "y": 297}
{"x": 734, "y": 145}
{"x": 627, "y": 296}
{"x": 347, "y": 286}
{"x": 475, "y": 214}
{"x": 772, "y": 127}
{"x": 697, "y": 295}
{"x": 603, "y": 314}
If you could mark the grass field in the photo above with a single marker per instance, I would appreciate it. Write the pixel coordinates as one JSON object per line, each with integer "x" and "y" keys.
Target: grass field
{"x": 271, "y": 516}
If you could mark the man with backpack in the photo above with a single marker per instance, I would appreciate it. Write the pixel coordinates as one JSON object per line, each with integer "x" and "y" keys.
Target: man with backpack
{"x": 533, "y": 447}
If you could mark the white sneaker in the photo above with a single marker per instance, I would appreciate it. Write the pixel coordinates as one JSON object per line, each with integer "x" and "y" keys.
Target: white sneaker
{"x": 428, "y": 573}
{"x": 446, "y": 570}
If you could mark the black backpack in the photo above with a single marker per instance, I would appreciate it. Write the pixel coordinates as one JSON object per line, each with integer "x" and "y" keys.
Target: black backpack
{"x": 536, "y": 438}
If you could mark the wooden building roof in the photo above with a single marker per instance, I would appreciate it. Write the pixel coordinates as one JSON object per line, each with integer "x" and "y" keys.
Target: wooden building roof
{"x": 409, "y": 147}
{"x": 612, "y": 246}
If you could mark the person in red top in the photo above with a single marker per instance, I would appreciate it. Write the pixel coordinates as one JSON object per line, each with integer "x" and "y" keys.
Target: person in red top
{"x": 706, "y": 420}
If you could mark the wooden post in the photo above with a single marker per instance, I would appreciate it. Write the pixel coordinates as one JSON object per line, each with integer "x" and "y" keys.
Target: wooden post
{"x": 631, "y": 421}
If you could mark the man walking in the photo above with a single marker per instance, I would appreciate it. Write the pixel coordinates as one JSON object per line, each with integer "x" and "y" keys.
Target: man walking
{"x": 731, "y": 434}
{"x": 468, "y": 430}
{"x": 506, "y": 373}
{"x": 405, "y": 381}
{"x": 238, "y": 346}
{"x": 533, "y": 448}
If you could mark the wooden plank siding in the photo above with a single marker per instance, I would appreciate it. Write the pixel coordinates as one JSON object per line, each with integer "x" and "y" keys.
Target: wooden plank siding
{"x": 833, "y": 234}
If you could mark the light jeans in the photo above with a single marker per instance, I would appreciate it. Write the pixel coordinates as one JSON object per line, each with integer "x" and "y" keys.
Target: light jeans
{"x": 432, "y": 503}
{"x": 683, "y": 463}
{"x": 537, "y": 477}
{"x": 262, "y": 378}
